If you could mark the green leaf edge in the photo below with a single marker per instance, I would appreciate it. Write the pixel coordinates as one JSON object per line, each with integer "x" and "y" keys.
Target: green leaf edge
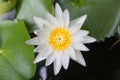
{"x": 14, "y": 22}
{"x": 6, "y": 7}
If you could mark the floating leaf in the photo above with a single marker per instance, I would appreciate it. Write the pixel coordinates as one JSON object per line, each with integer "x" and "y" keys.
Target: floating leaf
{"x": 7, "y": 5}
{"x": 103, "y": 15}
{"x": 16, "y": 57}
{"x": 28, "y": 8}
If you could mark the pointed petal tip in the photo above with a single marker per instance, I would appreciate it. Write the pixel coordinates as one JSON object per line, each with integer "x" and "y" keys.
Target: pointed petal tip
{"x": 55, "y": 72}
{"x": 94, "y": 39}
{"x": 84, "y": 17}
{"x": 84, "y": 64}
{"x": 57, "y": 65}
{"x": 34, "y": 17}
{"x": 87, "y": 49}
{"x": 35, "y": 32}
{"x": 65, "y": 60}
{"x": 65, "y": 68}
{"x": 35, "y": 50}
{"x": 34, "y": 62}
{"x": 90, "y": 39}
{"x": 47, "y": 64}
{"x": 28, "y": 42}
{"x": 57, "y": 5}
{"x": 66, "y": 10}
{"x": 80, "y": 58}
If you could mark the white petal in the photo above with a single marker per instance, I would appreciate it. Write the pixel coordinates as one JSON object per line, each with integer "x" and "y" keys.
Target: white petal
{"x": 52, "y": 20}
{"x": 37, "y": 32}
{"x": 34, "y": 41}
{"x": 78, "y": 32}
{"x": 39, "y": 58}
{"x": 80, "y": 58}
{"x": 58, "y": 10}
{"x": 66, "y": 17}
{"x": 70, "y": 51}
{"x": 40, "y": 21}
{"x": 76, "y": 39}
{"x": 46, "y": 51}
{"x": 76, "y": 24}
{"x": 80, "y": 46}
{"x": 47, "y": 30}
{"x": 79, "y": 36}
{"x": 37, "y": 49}
{"x": 42, "y": 34}
{"x": 65, "y": 60}
{"x": 79, "y": 21}
{"x": 40, "y": 47}
{"x": 57, "y": 64}
{"x": 59, "y": 15}
{"x": 81, "y": 33}
{"x": 88, "y": 39}
{"x": 51, "y": 58}
{"x": 44, "y": 54}
{"x": 74, "y": 29}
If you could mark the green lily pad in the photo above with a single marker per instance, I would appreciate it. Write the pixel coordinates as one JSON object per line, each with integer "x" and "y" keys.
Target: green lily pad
{"x": 26, "y": 9}
{"x": 16, "y": 57}
{"x": 7, "y": 5}
{"x": 103, "y": 15}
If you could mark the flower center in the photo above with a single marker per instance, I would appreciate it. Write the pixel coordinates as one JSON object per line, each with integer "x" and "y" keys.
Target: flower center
{"x": 60, "y": 39}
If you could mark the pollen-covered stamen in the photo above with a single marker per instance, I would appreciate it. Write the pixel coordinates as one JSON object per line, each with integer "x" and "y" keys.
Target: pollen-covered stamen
{"x": 60, "y": 38}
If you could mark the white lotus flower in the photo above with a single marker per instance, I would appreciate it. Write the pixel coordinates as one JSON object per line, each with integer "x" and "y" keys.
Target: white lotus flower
{"x": 58, "y": 39}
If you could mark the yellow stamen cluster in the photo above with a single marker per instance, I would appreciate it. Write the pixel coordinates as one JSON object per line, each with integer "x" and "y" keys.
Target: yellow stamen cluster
{"x": 60, "y": 38}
